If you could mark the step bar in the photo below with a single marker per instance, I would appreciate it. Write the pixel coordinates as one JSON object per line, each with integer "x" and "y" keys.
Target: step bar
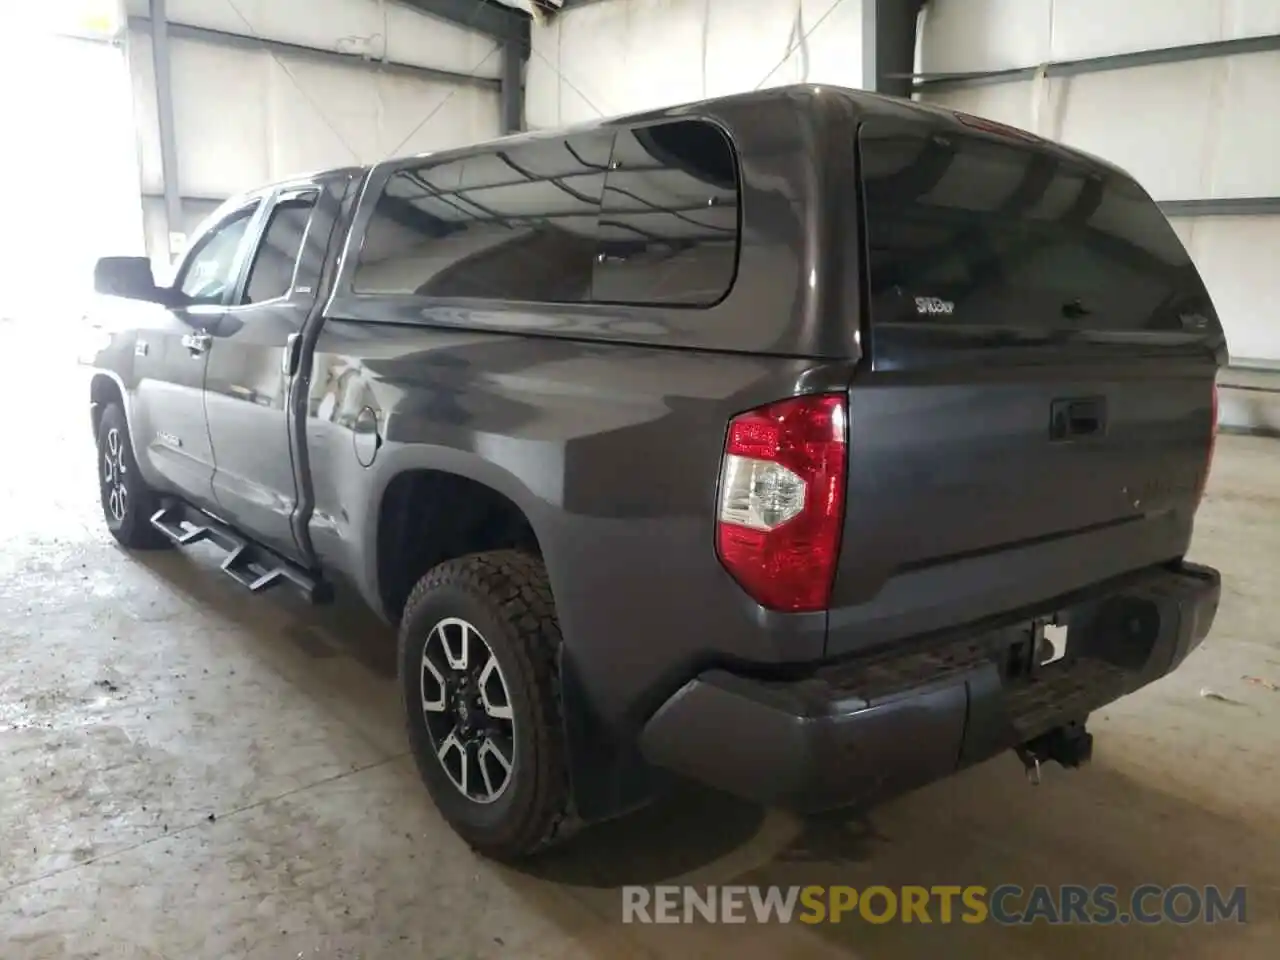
{"x": 249, "y": 564}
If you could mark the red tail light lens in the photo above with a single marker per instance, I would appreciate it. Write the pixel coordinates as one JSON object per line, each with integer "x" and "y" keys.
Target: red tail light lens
{"x": 1213, "y": 439}
{"x": 781, "y": 503}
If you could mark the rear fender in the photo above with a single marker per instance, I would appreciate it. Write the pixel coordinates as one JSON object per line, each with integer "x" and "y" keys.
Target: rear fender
{"x": 607, "y": 776}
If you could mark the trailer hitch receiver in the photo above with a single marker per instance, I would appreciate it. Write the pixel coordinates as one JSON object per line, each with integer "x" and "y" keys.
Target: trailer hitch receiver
{"x": 1069, "y": 745}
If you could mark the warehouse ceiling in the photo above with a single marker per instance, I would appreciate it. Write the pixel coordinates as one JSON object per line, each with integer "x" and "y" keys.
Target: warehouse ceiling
{"x": 502, "y": 19}
{"x": 536, "y": 8}
{"x": 498, "y": 20}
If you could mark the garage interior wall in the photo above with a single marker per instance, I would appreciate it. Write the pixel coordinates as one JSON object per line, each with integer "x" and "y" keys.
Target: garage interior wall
{"x": 245, "y": 114}
{"x": 618, "y": 56}
{"x": 1199, "y": 129}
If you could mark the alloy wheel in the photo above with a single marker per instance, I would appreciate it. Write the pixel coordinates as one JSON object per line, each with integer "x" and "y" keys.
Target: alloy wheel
{"x": 115, "y": 495}
{"x": 467, "y": 708}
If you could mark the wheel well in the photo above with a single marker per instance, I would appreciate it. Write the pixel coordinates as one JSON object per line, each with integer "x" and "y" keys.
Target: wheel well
{"x": 428, "y": 517}
{"x": 103, "y": 391}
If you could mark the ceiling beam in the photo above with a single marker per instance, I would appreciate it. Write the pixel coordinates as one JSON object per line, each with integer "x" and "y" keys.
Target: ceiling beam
{"x": 1222, "y": 207}
{"x": 1266, "y": 43}
{"x": 164, "y": 122}
{"x": 512, "y": 105}
{"x": 889, "y": 44}
{"x": 495, "y": 20}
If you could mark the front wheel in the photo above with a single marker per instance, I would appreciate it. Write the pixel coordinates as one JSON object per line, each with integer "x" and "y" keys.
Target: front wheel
{"x": 478, "y": 646}
{"x": 127, "y": 502}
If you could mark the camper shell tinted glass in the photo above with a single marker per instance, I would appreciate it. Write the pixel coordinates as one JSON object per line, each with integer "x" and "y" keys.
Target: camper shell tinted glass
{"x": 645, "y": 215}
{"x": 972, "y": 229}
{"x": 516, "y": 224}
{"x": 668, "y": 229}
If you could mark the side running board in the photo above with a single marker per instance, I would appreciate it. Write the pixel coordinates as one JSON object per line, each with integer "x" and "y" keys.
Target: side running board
{"x": 248, "y": 564}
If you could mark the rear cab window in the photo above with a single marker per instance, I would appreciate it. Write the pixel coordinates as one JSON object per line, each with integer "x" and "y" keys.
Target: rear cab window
{"x": 970, "y": 229}
{"x": 639, "y": 216}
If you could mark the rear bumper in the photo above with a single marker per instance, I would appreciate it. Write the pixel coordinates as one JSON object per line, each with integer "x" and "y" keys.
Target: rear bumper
{"x": 883, "y": 724}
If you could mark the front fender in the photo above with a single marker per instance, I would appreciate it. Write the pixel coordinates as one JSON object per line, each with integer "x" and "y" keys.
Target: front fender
{"x": 113, "y": 360}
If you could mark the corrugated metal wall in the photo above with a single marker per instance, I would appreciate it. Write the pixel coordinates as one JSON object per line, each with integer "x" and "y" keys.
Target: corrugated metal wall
{"x": 618, "y": 56}
{"x": 246, "y": 116}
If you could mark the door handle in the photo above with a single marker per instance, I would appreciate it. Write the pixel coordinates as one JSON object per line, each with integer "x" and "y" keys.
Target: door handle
{"x": 197, "y": 343}
{"x": 292, "y": 353}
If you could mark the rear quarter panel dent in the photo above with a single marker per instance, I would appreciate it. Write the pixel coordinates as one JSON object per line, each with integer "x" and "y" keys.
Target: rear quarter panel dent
{"x": 612, "y": 452}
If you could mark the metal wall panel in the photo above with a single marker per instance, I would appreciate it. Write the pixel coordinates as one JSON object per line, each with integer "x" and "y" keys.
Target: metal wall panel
{"x": 244, "y": 114}
{"x": 973, "y": 35}
{"x": 1156, "y": 122}
{"x": 1244, "y": 133}
{"x": 142, "y": 80}
{"x": 1092, "y": 28}
{"x": 967, "y": 35}
{"x": 378, "y": 30}
{"x": 1237, "y": 257}
{"x": 1187, "y": 131}
{"x": 244, "y": 117}
{"x": 620, "y": 56}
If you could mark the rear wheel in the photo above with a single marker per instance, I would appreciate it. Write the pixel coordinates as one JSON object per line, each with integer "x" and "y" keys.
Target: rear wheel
{"x": 127, "y": 502}
{"x": 478, "y": 646}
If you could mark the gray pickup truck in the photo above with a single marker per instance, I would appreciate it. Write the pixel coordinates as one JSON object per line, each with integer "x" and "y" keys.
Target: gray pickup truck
{"x": 806, "y": 443}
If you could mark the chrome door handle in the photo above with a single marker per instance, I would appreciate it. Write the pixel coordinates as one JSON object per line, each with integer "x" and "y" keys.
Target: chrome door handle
{"x": 197, "y": 343}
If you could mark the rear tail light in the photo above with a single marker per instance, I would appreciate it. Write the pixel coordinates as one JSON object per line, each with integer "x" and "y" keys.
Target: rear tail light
{"x": 781, "y": 503}
{"x": 1213, "y": 438}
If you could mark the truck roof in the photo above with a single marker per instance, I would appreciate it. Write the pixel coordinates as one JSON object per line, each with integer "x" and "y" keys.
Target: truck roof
{"x": 805, "y": 96}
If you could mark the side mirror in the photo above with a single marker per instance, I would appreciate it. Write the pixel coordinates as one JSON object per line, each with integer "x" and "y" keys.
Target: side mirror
{"x": 128, "y": 277}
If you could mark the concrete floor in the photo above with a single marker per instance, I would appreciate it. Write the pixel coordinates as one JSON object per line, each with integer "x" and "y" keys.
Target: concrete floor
{"x": 187, "y": 771}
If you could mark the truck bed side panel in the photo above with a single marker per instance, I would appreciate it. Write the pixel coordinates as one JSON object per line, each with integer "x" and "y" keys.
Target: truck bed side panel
{"x": 612, "y": 452}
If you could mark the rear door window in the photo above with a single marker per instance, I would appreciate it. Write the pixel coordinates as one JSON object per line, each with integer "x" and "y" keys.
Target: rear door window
{"x": 976, "y": 230}
{"x": 669, "y": 218}
{"x": 274, "y": 264}
{"x": 516, "y": 224}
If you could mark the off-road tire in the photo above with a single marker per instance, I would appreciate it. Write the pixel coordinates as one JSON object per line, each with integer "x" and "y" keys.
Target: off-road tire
{"x": 507, "y": 597}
